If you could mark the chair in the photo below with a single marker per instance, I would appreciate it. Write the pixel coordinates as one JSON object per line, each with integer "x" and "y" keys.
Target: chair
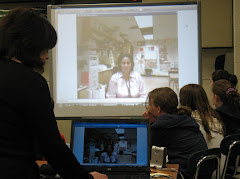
{"x": 205, "y": 162}
{"x": 230, "y": 146}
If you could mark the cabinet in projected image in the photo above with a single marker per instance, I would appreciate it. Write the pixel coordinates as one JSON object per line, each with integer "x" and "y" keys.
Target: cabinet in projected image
{"x": 93, "y": 72}
{"x": 91, "y": 85}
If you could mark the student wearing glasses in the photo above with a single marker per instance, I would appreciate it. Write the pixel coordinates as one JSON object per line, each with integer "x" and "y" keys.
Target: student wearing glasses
{"x": 173, "y": 128}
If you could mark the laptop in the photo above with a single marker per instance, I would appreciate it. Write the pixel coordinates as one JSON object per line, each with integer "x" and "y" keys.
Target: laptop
{"x": 129, "y": 138}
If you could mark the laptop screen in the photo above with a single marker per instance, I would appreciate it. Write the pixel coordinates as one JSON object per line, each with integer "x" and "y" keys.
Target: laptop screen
{"x": 111, "y": 143}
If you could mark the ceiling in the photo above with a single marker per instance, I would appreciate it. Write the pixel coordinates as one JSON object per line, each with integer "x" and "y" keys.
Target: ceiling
{"x": 164, "y": 27}
{"x": 128, "y": 134}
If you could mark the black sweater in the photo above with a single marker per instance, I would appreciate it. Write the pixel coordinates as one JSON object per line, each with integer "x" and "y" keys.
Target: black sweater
{"x": 181, "y": 136}
{"x": 27, "y": 118}
{"x": 231, "y": 118}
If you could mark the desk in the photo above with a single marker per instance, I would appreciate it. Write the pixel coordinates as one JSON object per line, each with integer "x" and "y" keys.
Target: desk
{"x": 173, "y": 174}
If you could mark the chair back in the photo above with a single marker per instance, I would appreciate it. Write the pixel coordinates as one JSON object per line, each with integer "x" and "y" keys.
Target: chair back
{"x": 230, "y": 146}
{"x": 205, "y": 162}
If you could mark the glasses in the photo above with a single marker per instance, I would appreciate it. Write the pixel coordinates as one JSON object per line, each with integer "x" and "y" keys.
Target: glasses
{"x": 147, "y": 106}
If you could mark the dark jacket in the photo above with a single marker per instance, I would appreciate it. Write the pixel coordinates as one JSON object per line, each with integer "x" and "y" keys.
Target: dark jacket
{"x": 231, "y": 118}
{"x": 181, "y": 136}
{"x": 27, "y": 120}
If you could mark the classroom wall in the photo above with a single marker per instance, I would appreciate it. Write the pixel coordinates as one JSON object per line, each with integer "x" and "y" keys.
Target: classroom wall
{"x": 208, "y": 65}
{"x": 236, "y": 39}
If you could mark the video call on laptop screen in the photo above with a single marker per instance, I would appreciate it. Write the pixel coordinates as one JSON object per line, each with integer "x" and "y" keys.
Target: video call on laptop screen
{"x": 91, "y": 142}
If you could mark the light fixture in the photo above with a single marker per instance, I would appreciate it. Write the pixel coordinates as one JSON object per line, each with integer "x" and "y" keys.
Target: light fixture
{"x": 119, "y": 131}
{"x": 148, "y": 37}
{"x": 144, "y": 21}
{"x": 145, "y": 24}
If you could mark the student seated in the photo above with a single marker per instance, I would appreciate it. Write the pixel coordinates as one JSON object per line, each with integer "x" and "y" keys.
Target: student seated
{"x": 227, "y": 102}
{"x": 173, "y": 128}
{"x": 211, "y": 125}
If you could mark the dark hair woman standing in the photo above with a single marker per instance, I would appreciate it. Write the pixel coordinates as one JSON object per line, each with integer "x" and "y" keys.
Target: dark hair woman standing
{"x": 27, "y": 117}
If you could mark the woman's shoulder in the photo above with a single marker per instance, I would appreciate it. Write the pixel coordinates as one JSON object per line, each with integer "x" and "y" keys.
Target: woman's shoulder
{"x": 135, "y": 74}
{"x": 116, "y": 75}
{"x": 114, "y": 153}
{"x": 229, "y": 112}
{"x": 104, "y": 153}
{"x": 214, "y": 125}
{"x": 168, "y": 120}
{"x": 22, "y": 74}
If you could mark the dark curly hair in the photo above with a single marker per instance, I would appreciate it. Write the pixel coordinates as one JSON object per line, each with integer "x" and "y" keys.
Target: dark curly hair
{"x": 224, "y": 75}
{"x": 120, "y": 58}
{"x": 24, "y": 34}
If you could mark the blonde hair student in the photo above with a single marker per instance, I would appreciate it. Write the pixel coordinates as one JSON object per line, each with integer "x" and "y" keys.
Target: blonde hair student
{"x": 211, "y": 125}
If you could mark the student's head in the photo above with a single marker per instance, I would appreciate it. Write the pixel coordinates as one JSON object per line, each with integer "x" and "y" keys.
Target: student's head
{"x": 193, "y": 96}
{"x": 162, "y": 100}
{"x": 224, "y": 75}
{"x": 125, "y": 63}
{"x": 224, "y": 92}
{"x": 26, "y": 36}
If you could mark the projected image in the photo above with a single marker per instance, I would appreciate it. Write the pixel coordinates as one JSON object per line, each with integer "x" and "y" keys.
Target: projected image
{"x": 113, "y": 55}
{"x": 110, "y": 146}
{"x": 126, "y": 56}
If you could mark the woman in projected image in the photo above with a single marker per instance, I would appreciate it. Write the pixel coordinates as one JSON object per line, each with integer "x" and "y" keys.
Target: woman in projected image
{"x": 109, "y": 156}
{"x": 173, "y": 128}
{"x": 126, "y": 83}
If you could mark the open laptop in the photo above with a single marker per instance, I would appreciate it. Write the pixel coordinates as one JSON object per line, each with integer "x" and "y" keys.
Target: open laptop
{"x": 129, "y": 138}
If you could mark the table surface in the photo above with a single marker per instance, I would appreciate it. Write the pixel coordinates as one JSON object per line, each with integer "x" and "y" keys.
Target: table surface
{"x": 171, "y": 169}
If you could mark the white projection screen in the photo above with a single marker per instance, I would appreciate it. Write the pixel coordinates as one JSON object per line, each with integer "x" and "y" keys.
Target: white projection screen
{"x": 163, "y": 40}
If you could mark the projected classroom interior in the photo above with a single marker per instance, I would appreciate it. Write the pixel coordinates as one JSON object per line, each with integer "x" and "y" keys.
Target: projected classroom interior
{"x": 163, "y": 41}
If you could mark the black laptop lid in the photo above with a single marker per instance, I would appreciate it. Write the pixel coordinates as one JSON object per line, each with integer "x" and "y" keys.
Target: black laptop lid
{"x": 129, "y": 138}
